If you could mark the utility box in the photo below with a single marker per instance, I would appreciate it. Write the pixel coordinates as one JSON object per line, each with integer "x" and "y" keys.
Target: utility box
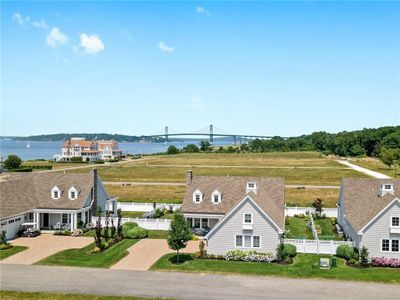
{"x": 333, "y": 262}
{"x": 324, "y": 263}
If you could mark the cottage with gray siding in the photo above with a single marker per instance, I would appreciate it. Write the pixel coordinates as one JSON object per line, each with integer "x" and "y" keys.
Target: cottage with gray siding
{"x": 245, "y": 213}
{"x": 48, "y": 199}
{"x": 369, "y": 212}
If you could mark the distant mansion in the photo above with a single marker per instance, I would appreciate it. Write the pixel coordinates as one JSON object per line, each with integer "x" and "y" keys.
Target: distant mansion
{"x": 88, "y": 150}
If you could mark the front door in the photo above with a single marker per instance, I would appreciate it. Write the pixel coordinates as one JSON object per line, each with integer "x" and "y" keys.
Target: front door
{"x": 46, "y": 220}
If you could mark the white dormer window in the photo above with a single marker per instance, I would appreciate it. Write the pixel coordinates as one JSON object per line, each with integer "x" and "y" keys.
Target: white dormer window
{"x": 247, "y": 219}
{"x": 386, "y": 188}
{"x": 216, "y": 197}
{"x": 55, "y": 193}
{"x": 395, "y": 221}
{"x": 197, "y": 196}
{"x": 72, "y": 193}
{"x": 251, "y": 187}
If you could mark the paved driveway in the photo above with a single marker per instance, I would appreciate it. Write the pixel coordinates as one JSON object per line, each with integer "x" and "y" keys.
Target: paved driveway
{"x": 146, "y": 252}
{"x": 44, "y": 245}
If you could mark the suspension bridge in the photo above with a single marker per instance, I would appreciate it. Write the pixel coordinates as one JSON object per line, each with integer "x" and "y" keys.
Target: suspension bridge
{"x": 210, "y": 132}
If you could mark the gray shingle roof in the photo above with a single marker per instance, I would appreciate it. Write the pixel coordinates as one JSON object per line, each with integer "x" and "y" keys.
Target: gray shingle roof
{"x": 270, "y": 195}
{"x": 24, "y": 191}
{"x": 361, "y": 199}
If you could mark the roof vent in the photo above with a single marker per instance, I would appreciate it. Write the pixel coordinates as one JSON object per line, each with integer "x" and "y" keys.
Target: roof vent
{"x": 386, "y": 188}
{"x": 251, "y": 187}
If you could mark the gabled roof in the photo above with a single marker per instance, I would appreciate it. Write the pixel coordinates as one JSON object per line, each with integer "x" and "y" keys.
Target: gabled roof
{"x": 361, "y": 199}
{"x": 80, "y": 142}
{"x": 22, "y": 192}
{"x": 269, "y": 197}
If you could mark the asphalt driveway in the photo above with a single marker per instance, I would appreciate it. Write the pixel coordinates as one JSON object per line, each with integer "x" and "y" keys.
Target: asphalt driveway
{"x": 44, "y": 245}
{"x": 146, "y": 252}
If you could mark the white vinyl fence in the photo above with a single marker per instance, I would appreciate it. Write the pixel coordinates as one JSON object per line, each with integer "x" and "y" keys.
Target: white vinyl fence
{"x": 145, "y": 207}
{"x": 150, "y": 224}
{"x": 291, "y": 211}
{"x": 317, "y": 246}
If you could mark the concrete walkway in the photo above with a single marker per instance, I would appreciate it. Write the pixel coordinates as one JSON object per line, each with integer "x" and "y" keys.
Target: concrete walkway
{"x": 44, "y": 245}
{"x": 185, "y": 285}
{"x": 146, "y": 252}
{"x": 363, "y": 170}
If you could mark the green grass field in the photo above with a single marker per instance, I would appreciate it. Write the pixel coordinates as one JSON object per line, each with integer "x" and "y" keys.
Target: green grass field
{"x": 158, "y": 234}
{"x": 148, "y": 193}
{"x": 306, "y": 197}
{"x": 296, "y": 167}
{"x": 11, "y": 295}
{"x": 296, "y": 228}
{"x": 327, "y": 229}
{"x": 56, "y": 166}
{"x": 11, "y": 251}
{"x": 304, "y": 266}
{"x": 374, "y": 164}
{"x": 83, "y": 258}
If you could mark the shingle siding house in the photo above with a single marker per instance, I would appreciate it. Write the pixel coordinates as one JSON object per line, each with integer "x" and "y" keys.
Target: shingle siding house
{"x": 245, "y": 213}
{"x": 50, "y": 198}
{"x": 369, "y": 212}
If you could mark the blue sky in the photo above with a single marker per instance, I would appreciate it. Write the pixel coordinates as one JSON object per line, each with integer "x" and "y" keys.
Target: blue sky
{"x": 273, "y": 68}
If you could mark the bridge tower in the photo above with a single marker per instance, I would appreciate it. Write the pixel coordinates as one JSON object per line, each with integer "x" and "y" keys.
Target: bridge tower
{"x": 211, "y": 134}
{"x": 166, "y": 134}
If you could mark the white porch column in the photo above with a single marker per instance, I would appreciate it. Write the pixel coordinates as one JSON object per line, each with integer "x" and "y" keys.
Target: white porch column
{"x": 73, "y": 221}
{"x": 36, "y": 217}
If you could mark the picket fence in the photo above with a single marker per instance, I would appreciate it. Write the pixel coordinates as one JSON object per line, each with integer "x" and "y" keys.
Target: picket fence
{"x": 291, "y": 211}
{"x": 145, "y": 207}
{"x": 317, "y": 246}
{"x": 150, "y": 224}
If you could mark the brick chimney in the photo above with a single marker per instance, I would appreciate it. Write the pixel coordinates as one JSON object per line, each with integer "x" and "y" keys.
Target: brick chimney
{"x": 189, "y": 177}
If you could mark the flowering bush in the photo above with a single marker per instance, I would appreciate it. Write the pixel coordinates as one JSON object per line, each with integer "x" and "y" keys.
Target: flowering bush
{"x": 252, "y": 256}
{"x": 77, "y": 232}
{"x": 385, "y": 262}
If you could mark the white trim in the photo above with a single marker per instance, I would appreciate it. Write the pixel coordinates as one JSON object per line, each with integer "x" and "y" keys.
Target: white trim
{"x": 243, "y": 241}
{"x": 361, "y": 231}
{"x": 195, "y": 215}
{"x": 55, "y": 189}
{"x": 390, "y": 245}
{"x": 280, "y": 231}
{"x": 218, "y": 194}
{"x": 195, "y": 194}
{"x": 71, "y": 190}
{"x": 244, "y": 219}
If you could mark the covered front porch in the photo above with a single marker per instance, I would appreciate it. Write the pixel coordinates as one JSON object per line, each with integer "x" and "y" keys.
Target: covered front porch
{"x": 202, "y": 224}
{"x": 49, "y": 219}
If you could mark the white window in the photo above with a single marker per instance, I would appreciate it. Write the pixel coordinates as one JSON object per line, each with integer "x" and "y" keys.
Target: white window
{"x": 247, "y": 241}
{"x": 55, "y": 193}
{"x": 256, "y": 241}
{"x": 216, "y": 197}
{"x": 395, "y": 246}
{"x": 247, "y": 219}
{"x": 197, "y": 196}
{"x": 385, "y": 245}
{"x": 395, "y": 222}
{"x": 239, "y": 241}
{"x": 251, "y": 185}
{"x": 387, "y": 187}
{"x": 72, "y": 193}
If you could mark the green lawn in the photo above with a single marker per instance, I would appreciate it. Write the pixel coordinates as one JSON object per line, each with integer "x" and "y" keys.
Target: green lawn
{"x": 158, "y": 234}
{"x": 374, "y": 164}
{"x": 305, "y": 266}
{"x": 296, "y": 228}
{"x": 83, "y": 258}
{"x": 328, "y": 231}
{"x": 11, "y": 251}
{"x": 132, "y": 214}
{"x": 11, "y": 295}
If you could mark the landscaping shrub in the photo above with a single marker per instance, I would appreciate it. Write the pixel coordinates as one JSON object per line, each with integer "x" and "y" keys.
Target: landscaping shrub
{"x": 289, "y": 250}
{"x": 385, "y": 262}
{"x": 249, "y": 256}
{"x": 347, "y": 252}
{"x": 135, "y": 233}
{"x": 77, "y": 232}
{"x": 364, "y": 256}
{"x": 22, "y": 170}
{"x": 158, "y": 213}
{"x": 333, "y": 221}
{"x": 5, "y": 246}
{"x": 127, "y": 226}
{"x": 63, "y": 232}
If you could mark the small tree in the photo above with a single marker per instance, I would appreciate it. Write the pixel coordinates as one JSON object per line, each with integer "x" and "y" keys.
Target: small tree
{"x": 97, "y": 237}
{"x": 12, "y": 162}
{"x": 107, "y": 220}
{"x": 318, "y": 207}
{"x": 364, "y": 256}
{"x": 119, "y": 225}
{"x": 205, "y": 146}
{"x": 172, "y": 150}
{"x": 3, "y": 240}
{"x": 113, "y": 229}
{"x": 179, "y": 234}
{"x": 202, "y": 251}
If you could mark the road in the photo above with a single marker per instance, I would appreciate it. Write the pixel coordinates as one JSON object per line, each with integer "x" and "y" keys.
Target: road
{"x": 184, "y": 286}
{"x": 363, "y": 170}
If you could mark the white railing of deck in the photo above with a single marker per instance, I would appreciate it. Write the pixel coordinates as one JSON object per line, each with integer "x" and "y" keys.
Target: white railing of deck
{"x": 150, "y": 224}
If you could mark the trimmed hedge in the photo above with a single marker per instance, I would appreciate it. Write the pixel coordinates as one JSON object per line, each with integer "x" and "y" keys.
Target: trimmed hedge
{"x": 289, "y": 250}
{"x": 21, "y": 170}
{"x": 136, "y": 233}
{"x": 347, "y": 252}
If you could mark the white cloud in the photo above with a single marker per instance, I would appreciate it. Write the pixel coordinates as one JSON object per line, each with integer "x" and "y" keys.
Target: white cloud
{"x": 196, "y": 103}
{"x": 165, "y": 48}
{"x": 56, "y": 38}
{"x": 91, "y": 44}
{"x": 40, "y": 24}
{"x": 19, "y": 19}
{"x": 201, "y": 10}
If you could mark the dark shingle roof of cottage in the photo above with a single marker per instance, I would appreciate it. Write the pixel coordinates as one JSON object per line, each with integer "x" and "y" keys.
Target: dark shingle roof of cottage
{"x": 270, "y": 195}
{"x": 22, "y": 192}
{"x": 362, "y": 201}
